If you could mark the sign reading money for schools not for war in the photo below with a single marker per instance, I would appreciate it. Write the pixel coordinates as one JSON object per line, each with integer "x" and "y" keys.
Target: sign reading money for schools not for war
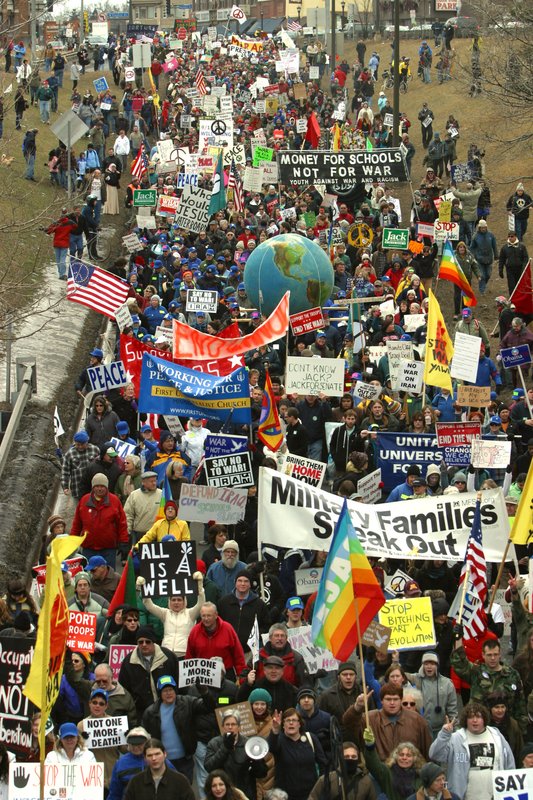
{"x": 203, "y": 300}
{"x": 105, "y": 731}
{"x": 81, "y": 631}
{"x": 107, "y": 376}
{"x": 410, "y": 621}
{"x": 304, "y": 469}
{"x": 206, "y": 670}
{"x": 167, "y": 568}
{"x": 234, "y": 470}
{"x": 314, "y": 376}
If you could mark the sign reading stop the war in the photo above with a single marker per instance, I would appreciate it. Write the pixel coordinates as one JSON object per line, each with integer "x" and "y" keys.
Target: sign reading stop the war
{"x": 457, "y": 434}
{"x": 181, "y": 34}
{"x": 81, "y": 632}
{"x": 445, "y": 230}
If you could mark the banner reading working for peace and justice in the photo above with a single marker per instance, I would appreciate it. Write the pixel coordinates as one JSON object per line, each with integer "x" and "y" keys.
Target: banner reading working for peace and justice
{"x": 169, "y": 388}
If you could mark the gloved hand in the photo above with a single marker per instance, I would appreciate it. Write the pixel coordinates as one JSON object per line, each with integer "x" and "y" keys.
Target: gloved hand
{"x": 368, "y": 736}
{"x": 259, "y": 566}
{"x": 458, "y": 631}
{"x": 124, "y": 550}
{"x": 140, "y": 581}
{"x": 229, "y": 741}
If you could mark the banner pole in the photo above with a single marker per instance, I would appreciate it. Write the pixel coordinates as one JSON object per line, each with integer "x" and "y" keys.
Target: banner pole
{"x": 361, "y": 659}
{"x": 522, "y": 381}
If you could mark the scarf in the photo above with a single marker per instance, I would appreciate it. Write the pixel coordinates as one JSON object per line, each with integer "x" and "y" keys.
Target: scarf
{"x": 128, "y": 486}
{"x": 403, "y": 780}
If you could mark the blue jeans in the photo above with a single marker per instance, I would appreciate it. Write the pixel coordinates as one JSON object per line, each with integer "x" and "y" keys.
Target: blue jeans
{"x": 61, "y": 260}
{"x": 109, "y": 555}
{"x": 47, "y": 64}
{"x": 520, "y": 226}
{"x": 59, "y": 75}
{"x": 30, "y": 165}
{"x": 468, "y": 230}
{"x": 97, "y": 211}
{"x": 485, "y": 271}
{"x": 201, "y": 772}
{"x": 427, "y": 74}
{"x": 314, "y": 450}
{"x": 44, "y": 110}
{"x": 76, "y": 244}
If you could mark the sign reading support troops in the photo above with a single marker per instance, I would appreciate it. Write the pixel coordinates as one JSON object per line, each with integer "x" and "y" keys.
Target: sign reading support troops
{"x": 193, "y": 209}
{"x": 208, "y": 670}
{"x": 201, "y": 300}
{"x": 341, "y": 167}
{"x": 306, "y": 321}
{"x": 167, "y": 568}
{"x": 234, "y": 470}
{"x": 81, "y": 631}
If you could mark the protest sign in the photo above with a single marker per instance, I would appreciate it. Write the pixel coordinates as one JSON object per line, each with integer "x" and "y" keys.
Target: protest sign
{"x": 396, "y": 583}
{"x": 366, "y": 391}
{"x": 411, "y": 376}
{"x": 410, "y": 621}
{"x": 167, "y": 204}
{"x": 123, "y": 317}
{"x": 117, "y": 654}
{"x": 100, "y": 85}
{"x": 395, "y": 238}
{"x": 314, "y": 75}
{"x": 512, "y": 784}
{"x": 445, "y": 211}
{"x": 207, "y": 670}
{"x": 397, "y": 352}
{"x": 201, "y": 300}
{"x": 70, "y": 781}
{"x": 492, "y": 454}
{"x": 453, "y": 434}
{"x": 105, "y": 731}
{"x": 465, "y": 359}
{"x": 315, "y": 657}
{"x": 306, "y": 321}
{"x": 224, "y": 444}
{"x": 192, "y": 212}
{"x": 237, "y": 153}
{"x": 377, "y": 636}
{"x": 234, "y": 470}
{"x": 341, "y": 167}
{"x": 432, "y": 527}
{"x": 247, "y": 727}
{"x": 16, "y": 656}
{"x": 476, "y": 396}
{"x": 105, "y": 377}
{"x": 131, "y": 243}
{"x": 167, "y": 568}
{"x": 515, "y": 356}
{"x": 174, "y": 425}
{"x": 398, "y": 451}
{"x": 445, "y": 230}
{"x": 81, "y": 631}
{"x": 262, "y": 154}
{"x": 184, "y": 179}
{"x": 204, "y": 503}
{"x": 307, "y": 581}
{"x": 253, "y": 179}
{"x": 411, "y": 322}
{"x": 314, "y": 376}
{"x": 425, "y": 229}
{"x": 462, "y": 172}
{"x": 369, "y": 487}
{"x": 304, "y": 469}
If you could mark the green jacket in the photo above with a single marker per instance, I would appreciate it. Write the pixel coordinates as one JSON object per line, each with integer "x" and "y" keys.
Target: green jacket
{"x": 44, "y": 93}
{"x": 483, "y": 681}
{"x": 523, "y": 621}
{"x": 383, "y": 774}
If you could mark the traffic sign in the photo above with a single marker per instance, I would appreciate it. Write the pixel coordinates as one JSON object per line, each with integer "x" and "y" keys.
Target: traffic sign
{"x": 144, "y": 197}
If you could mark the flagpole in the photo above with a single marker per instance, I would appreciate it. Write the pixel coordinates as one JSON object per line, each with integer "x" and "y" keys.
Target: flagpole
{"x": 463, "y": 595}
{"x": 522, "y": 381}
{"x": 499, "y": 575}
{"x": 361, "y": 659}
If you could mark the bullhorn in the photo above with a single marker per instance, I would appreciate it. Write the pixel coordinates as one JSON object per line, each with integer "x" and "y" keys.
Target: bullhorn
{"x": 256, "y": 747}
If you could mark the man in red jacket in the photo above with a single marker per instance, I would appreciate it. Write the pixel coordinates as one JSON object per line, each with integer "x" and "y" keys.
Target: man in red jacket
{"x": 101, "y": 516}
{"x": 213, "y": 637}
{"x": 61, "y": 231}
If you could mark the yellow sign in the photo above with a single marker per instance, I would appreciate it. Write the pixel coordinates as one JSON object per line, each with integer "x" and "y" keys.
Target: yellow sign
{"x": 244, "y": 44}
{"x": 271, "y": 105}
{"x": 360, "y": 234}
{"x": 439, "y": 348}
{"x": 445, "y": 211}
{"x": 411, "y": 622}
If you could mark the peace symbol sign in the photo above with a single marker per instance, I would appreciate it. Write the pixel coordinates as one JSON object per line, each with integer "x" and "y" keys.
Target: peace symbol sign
{"x": 178, "y": 156}
{"x": 238, "y": 13}
{"x": 360, "y": 235}
{"x": 218, "y": 127}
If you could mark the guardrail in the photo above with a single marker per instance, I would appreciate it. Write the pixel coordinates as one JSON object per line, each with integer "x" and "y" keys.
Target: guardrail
{"x": 26, "y": 385}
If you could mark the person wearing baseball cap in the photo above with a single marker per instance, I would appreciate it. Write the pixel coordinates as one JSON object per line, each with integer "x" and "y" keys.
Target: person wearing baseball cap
{"x": 75, "y": 461}
{"x": 294, "y": 609}
{"x": 129, "y": 764}
{"x": 282, "y": 692}
{"x": 104, "y": 580}
{"x": 69, "y": 748}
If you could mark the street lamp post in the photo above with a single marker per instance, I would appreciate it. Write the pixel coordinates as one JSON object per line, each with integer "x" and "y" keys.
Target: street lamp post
{"x": 343, "y": 6}
{"x": 262, "y": 16}
{"x": 299, "y": 10}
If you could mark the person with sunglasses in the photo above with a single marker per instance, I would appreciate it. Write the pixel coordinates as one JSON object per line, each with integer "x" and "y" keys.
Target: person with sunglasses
{"x": 108, "y": 756}
{"x": 439, "y": 698}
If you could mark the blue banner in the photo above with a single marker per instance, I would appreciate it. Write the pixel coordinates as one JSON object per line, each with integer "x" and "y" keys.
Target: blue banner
{"x": 398, "y": 451}
{"x": 168, "y": 388}
{"x": 223, "y": 444}
{"x": 515, "y": 356}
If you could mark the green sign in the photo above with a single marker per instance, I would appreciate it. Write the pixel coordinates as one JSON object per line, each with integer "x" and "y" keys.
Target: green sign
{"x": 395, "y": 238}
{"x": 144, "y": 197}
{"x": 262, "y": 154}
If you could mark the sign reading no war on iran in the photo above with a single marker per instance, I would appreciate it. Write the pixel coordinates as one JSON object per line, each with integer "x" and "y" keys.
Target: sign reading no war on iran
{"x": 432, "y": 527}
{"x": 359, "y": 166}
{"x": 314, "y": 375}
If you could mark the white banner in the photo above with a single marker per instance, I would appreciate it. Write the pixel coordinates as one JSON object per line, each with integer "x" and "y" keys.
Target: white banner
{"x": 315, "y": 657}
{"x": 433, "y": 527}
{"x": 105, "y": 731}
{"x": 513, "y": 784}
{"x": 67, "y": 781}
{"x": 314, "y": 376}
{"x": 465, "y": 359}
{"x": 204, "y": 503}
{"x": 304, "y": 469}
{"x": 207, "y": 670}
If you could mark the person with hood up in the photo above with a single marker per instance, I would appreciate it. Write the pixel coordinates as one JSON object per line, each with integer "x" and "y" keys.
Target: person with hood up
{"x": 169, "y": 528}
{"x": 469, "y": 199}
{"x": 438, "y": 692}
{"x": 193, "y": 440}
{"x": 107, "y": 463}
{"x": 356, "y": 784}
{"x": 242, "y": 607}
{"x": 224, "y": 572}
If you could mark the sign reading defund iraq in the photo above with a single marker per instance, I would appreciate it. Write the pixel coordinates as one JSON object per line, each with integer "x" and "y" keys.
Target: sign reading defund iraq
{"x": 343, "y": 167}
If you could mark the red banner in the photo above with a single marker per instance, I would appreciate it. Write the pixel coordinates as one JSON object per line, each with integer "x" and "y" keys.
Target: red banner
{"x": 131, "y": 354}
{"x": 192, "y": 344}
{"x": 457, "y": 434}
{"x": 307, "y": 321}
{"x": 74, "y": 565}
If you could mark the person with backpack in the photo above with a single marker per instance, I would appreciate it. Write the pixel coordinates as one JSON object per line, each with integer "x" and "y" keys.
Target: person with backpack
{"x": 58, "y": 68}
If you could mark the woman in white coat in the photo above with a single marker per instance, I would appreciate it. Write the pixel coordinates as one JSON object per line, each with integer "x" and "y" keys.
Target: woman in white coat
{"x": 70, "y": 747}
{"x": 177, "y": 619}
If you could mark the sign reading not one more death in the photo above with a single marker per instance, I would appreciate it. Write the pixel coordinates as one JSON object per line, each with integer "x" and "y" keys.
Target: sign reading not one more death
{"x": 105, "y": 731}
{"x": 234, "y": 470}
{"x": 107, "y": 376}
{"x": 359, "y": 166}
{"x": 201, "y": 300}
{"x": 207, "y": 670}
{"x": 167, "y": 568}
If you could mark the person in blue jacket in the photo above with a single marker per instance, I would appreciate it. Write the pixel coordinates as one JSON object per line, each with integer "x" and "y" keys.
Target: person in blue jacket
{"x": 405, "y": 489}
{"x": 487, "y": 371}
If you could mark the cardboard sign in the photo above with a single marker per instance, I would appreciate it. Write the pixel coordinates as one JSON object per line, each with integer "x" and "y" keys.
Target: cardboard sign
{"x": 515, "y": 356}
{"x": 366, "y": 391}
{"x": 107, "y": 376}
{"x": 65, "y": 781}
{"x": 315, "y": 657}
{"x": 306, "y": 321}
{"x": 245, "y": 713}
{"x": 395, "y": 238}
{"x": 16, "y": 656}
{"x": 445, "y": 211}
{"x": 204, "y": 503}
{"x": 304, "y": 469}
{"x": 411, "y": 376}
{"x": 491, "y": 454}
{"x": 167, "y": 204}
{"x": 81, "y": 631}
{"x": 307, "y": 581}
{"x": 117, "y": 654}
{"x": 234, "y": 470}
{"x": 167, "y": 568}
{"x": 465, "y": 359}
{"x": 445, "y": 230}
{"x": 369, "y": 487}
{"x": 456, "y": 434}
{"x": 377, "y": 636}
{"x": 477, "y": 396}
{"x": 512, "y": 784}
{"x": 201, "y": 300}
{"x": 224, "y": 444}
{"x": 192, "y": 213}
{"x": 398, "y": 352}
{"x": 410, "y": 621}
{"x": 105, "y": 731}
{"x": 131, "y": 243}
{"x": 208, "y": 671}
{"x": 314, "y": 376}
{"x": 253, "y": 179}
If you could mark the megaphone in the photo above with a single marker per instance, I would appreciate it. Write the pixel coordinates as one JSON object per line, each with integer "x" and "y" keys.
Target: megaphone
{"x": 256, "y": 747}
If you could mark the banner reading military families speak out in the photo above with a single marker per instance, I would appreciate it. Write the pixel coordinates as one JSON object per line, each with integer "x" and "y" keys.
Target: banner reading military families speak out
{"x": 433, "y": 527}
{"x": 314, "y": 376}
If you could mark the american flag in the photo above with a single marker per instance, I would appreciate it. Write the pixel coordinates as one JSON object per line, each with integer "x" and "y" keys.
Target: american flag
{"x": 474, "y": 618}
{"x": 234, "y": 183}
{"x": 95, "y": 288}
{"x": 139, "y": 165}
{"x": 292, "y": 25}
{"x": 199, "y": 82}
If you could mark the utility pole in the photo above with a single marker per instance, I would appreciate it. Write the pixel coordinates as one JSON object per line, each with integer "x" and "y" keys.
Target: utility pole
{"x": 33, "y": 31}
{"x": 396, "y": 94}
{"x": 333, "y": 37}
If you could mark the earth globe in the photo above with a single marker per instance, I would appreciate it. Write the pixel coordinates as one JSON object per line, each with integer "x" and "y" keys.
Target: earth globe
{"x": 288, "y": 262}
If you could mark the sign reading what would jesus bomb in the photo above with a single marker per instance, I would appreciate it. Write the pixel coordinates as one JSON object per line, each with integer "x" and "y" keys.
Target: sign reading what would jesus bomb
{"x": 359, "y": 166}
{"x": 167, "y": 568}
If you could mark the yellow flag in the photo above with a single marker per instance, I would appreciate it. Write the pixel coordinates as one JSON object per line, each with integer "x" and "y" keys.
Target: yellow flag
{"x": 42, "y": 686}
{"x": 522, "y": 527}
{"x": 439, "y": 348}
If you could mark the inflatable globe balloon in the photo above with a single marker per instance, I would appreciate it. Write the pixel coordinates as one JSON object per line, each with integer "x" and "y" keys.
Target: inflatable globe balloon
{"x": 288, "y": 262}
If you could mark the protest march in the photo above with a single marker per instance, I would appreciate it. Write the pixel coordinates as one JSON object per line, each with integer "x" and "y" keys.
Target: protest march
{"x": 288, "y": 553}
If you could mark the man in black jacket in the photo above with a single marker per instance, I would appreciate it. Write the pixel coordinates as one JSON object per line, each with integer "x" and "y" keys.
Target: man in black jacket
{"x": 142, "y": 668}
{"x": 296, "y": 435}
{"x": 513, "y": 257}
{"x": 242, "y": 606}
{"x": 157, "y": 780}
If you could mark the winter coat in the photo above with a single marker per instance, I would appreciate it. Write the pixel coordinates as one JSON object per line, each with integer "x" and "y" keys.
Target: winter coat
{"x": 336, "y": 701}
{"x": 104, "y": 755}
{"x": 120, "y": 704}
{"x": 171, "y": 786}
{"x": 110, "y": 469}
{"x": 437, "y": 692}
{"x": 141, "y": 509}
{"x": 241, "y": 616}
{"x": 468, "y": 200}
{"x": 283, "y": 693}
{"x": 107, "y": 585}
{"x": 357, "y": 787}
{"x": 294, "y": 671}
{"x": 224, "y": 577}
{"x": 177, "y": 625}
{"x": 61, "y": 231}
{"x": 140, "y": 682}
{"x": 341, "y": 445}
{"x": 409, "y": 727}
{"x": 185, "y": 710}
{"x": 514, "y": 257}
{"x": 205, "y": 722}
{"x": 60, "y": 758}
{"x": 100, "y": 429}
{"x": 298, "y": 763}
{"x": 104, "y": 521}
{"x": 223, "y": 642}
{"x": 177, "y": 528}
{"x": 483, "y": 247}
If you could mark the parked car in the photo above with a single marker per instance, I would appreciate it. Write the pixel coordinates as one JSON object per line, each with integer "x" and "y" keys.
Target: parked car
{"x": 57, "y": 44}
{"x": 464, "y": 26}
{"x": 91, "y": 41}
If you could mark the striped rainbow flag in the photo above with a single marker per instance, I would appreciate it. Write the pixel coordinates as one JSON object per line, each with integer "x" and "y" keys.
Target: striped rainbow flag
{"x": 450, "y": 270}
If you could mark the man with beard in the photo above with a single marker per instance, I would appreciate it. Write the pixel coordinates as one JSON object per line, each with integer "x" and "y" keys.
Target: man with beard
{"x": 213, "y": 637}
{"x": 224, "y": 572}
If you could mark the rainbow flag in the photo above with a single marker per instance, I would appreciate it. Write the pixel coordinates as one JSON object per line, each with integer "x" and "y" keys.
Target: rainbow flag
{"x": 269, "y": 430}
{"x": 450, "y": 270}
{"x": 348, "y": 589}
{"x": 166, "y": 494}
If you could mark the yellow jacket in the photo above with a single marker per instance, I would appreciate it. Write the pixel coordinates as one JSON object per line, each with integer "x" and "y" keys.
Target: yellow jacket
{"x": 177, "y": 528}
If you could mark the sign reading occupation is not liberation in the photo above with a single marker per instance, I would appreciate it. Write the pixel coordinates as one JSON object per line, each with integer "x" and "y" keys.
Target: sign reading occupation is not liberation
{"x": 16, "y": 656}
{"x": 492, "y": 454}
{"x": 453, "y": 434}
{"x": 107, "y": 376}
{"x": 203, "y": 300}
{"x": 410, "y": 621}
{"x": 81, "y": 631}
{"x": 66, "y": 781}
{"x": 207, "y": 670}
{"x": 465, "y": 359}
{"x": 117, "y": 654}
{"x": 167, "y": 568}
{"x": 204, "y": 503}
{"x": 341, "y": 167}
{"x": 433, "y": 527}
{"x": 512, "y": 784}
{"x": 105, "y": 731}
{"x": 304, "y": 469}
{"x": 314, "y": 376}
{"x": 234, "y": 470}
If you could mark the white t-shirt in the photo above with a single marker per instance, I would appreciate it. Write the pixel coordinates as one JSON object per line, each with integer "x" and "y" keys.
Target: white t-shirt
{"x": 482, "y": 751}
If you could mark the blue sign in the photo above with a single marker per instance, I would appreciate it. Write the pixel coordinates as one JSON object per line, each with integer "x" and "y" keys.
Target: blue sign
{"x": 398, "y": 451}
{"x": 117, "y": 14}
{"x": 100, "y": 84}
{"x": 222, "y": 444}
{"x": 168, "y": 388}
{"x": 463, "y": 172}
{"x": 515, "y": 356}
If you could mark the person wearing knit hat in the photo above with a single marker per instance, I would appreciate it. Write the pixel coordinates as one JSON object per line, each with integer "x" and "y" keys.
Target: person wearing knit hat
{"x": 224, "y": 572}
{"x": 316, "y": 720}
{"x": 405, "y": 490}
{"x": 526, "y": 756}
{"x": 159, "y": 456}
{"x": 433, "y": 778}
{"x": 260, "y": 696}
{"x": 242, "y": 607}
{"x": 519, "y": 205}
{"x": 178, "y": 529}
